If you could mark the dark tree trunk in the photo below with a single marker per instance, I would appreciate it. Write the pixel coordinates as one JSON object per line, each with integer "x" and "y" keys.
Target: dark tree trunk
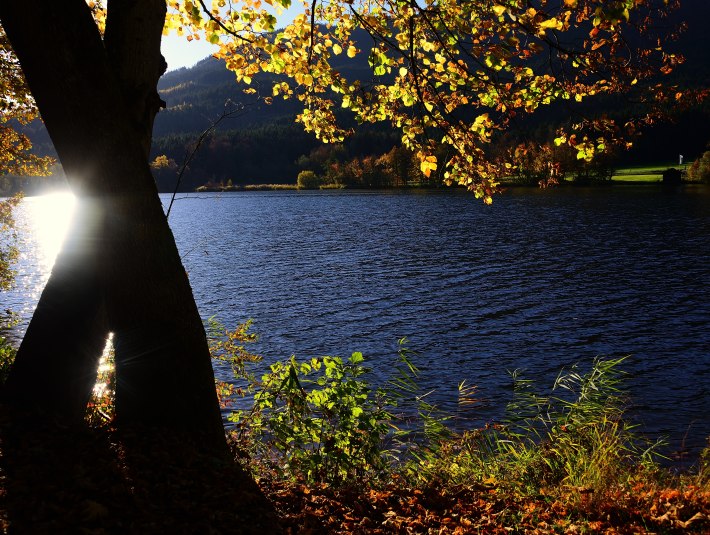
{"x": 55, "y": 367}
{"x": 134, "y": 29}
{"x": 96, "y": 110}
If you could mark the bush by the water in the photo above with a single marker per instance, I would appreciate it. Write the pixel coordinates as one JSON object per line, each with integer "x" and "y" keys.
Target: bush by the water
{"x": 699, "y": 170}
{"x": 308, "y": 180}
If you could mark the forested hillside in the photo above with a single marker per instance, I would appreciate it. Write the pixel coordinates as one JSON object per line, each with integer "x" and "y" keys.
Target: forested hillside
{"x": 259, "y": 142}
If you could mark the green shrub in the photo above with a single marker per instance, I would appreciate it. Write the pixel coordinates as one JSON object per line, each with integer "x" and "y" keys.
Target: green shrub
{"x": 320, "y": 419}
{"x": 317, "y": 420}
{"x": 308, "y": 180}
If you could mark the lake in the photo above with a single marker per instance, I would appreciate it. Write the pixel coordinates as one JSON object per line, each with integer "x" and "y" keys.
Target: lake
{"x": 539, "y": 280}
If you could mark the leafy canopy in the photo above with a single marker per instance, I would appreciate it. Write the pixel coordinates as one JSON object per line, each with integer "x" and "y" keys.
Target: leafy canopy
{"x": 452, "y": 74}
{"x": 17, "y": 107}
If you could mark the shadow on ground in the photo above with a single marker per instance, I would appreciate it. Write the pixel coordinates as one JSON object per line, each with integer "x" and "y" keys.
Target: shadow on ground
{"x": 59, "y": 480}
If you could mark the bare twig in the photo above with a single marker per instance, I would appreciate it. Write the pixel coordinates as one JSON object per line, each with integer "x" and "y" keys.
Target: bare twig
{"x": 233, "y": 112}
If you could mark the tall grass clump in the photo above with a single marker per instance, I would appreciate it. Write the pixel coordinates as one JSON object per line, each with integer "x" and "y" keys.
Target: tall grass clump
{"x": 573, "y": 440}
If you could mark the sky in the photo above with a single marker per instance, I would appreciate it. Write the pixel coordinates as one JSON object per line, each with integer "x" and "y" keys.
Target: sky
{"x": 178, "y": 52}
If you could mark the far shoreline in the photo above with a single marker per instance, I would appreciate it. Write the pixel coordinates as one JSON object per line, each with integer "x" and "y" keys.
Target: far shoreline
{"x": 503, "y": 185}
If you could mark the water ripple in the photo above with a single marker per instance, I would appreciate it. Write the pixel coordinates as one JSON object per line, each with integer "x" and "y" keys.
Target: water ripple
{"x": 539, "y": 280}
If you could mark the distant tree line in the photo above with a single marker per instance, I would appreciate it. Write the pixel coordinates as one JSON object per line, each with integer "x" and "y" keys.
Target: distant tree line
{"x": 276, "y": 153}
{"x": 332, "y": 165}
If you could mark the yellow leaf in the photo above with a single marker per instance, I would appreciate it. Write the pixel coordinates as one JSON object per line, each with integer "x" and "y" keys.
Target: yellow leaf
{"x": 337, "y": 49}
{"x": 498, "y": 10}
{"x": 352, "y": 51}
{"x": 551, "y": 24}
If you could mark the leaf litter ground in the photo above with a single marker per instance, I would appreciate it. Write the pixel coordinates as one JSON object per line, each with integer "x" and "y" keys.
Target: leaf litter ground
{"x": 56, "y": 480}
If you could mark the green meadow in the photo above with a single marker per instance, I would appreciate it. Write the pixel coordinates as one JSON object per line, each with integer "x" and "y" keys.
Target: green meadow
{"x": 644, "y": 173}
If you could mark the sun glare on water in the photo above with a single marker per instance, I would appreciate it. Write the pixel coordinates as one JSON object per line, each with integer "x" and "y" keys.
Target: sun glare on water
{"x": 50, "y": 216}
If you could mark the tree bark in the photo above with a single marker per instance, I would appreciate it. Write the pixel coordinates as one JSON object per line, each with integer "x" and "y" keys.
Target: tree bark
{"x": 132, "y": 39}
{"x": 132, "y": 270}
{"x": 55, "y": 368}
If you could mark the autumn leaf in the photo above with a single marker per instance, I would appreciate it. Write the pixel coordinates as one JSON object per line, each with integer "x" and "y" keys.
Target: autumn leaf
{"x": 551, "y": 24}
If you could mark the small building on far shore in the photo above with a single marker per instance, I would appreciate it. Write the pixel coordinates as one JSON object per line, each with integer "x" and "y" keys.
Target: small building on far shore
{"x": 672, "y": 177}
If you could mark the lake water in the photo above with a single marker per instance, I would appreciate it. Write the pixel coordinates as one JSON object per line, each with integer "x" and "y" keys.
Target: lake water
{"x": 539, "y": 280}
